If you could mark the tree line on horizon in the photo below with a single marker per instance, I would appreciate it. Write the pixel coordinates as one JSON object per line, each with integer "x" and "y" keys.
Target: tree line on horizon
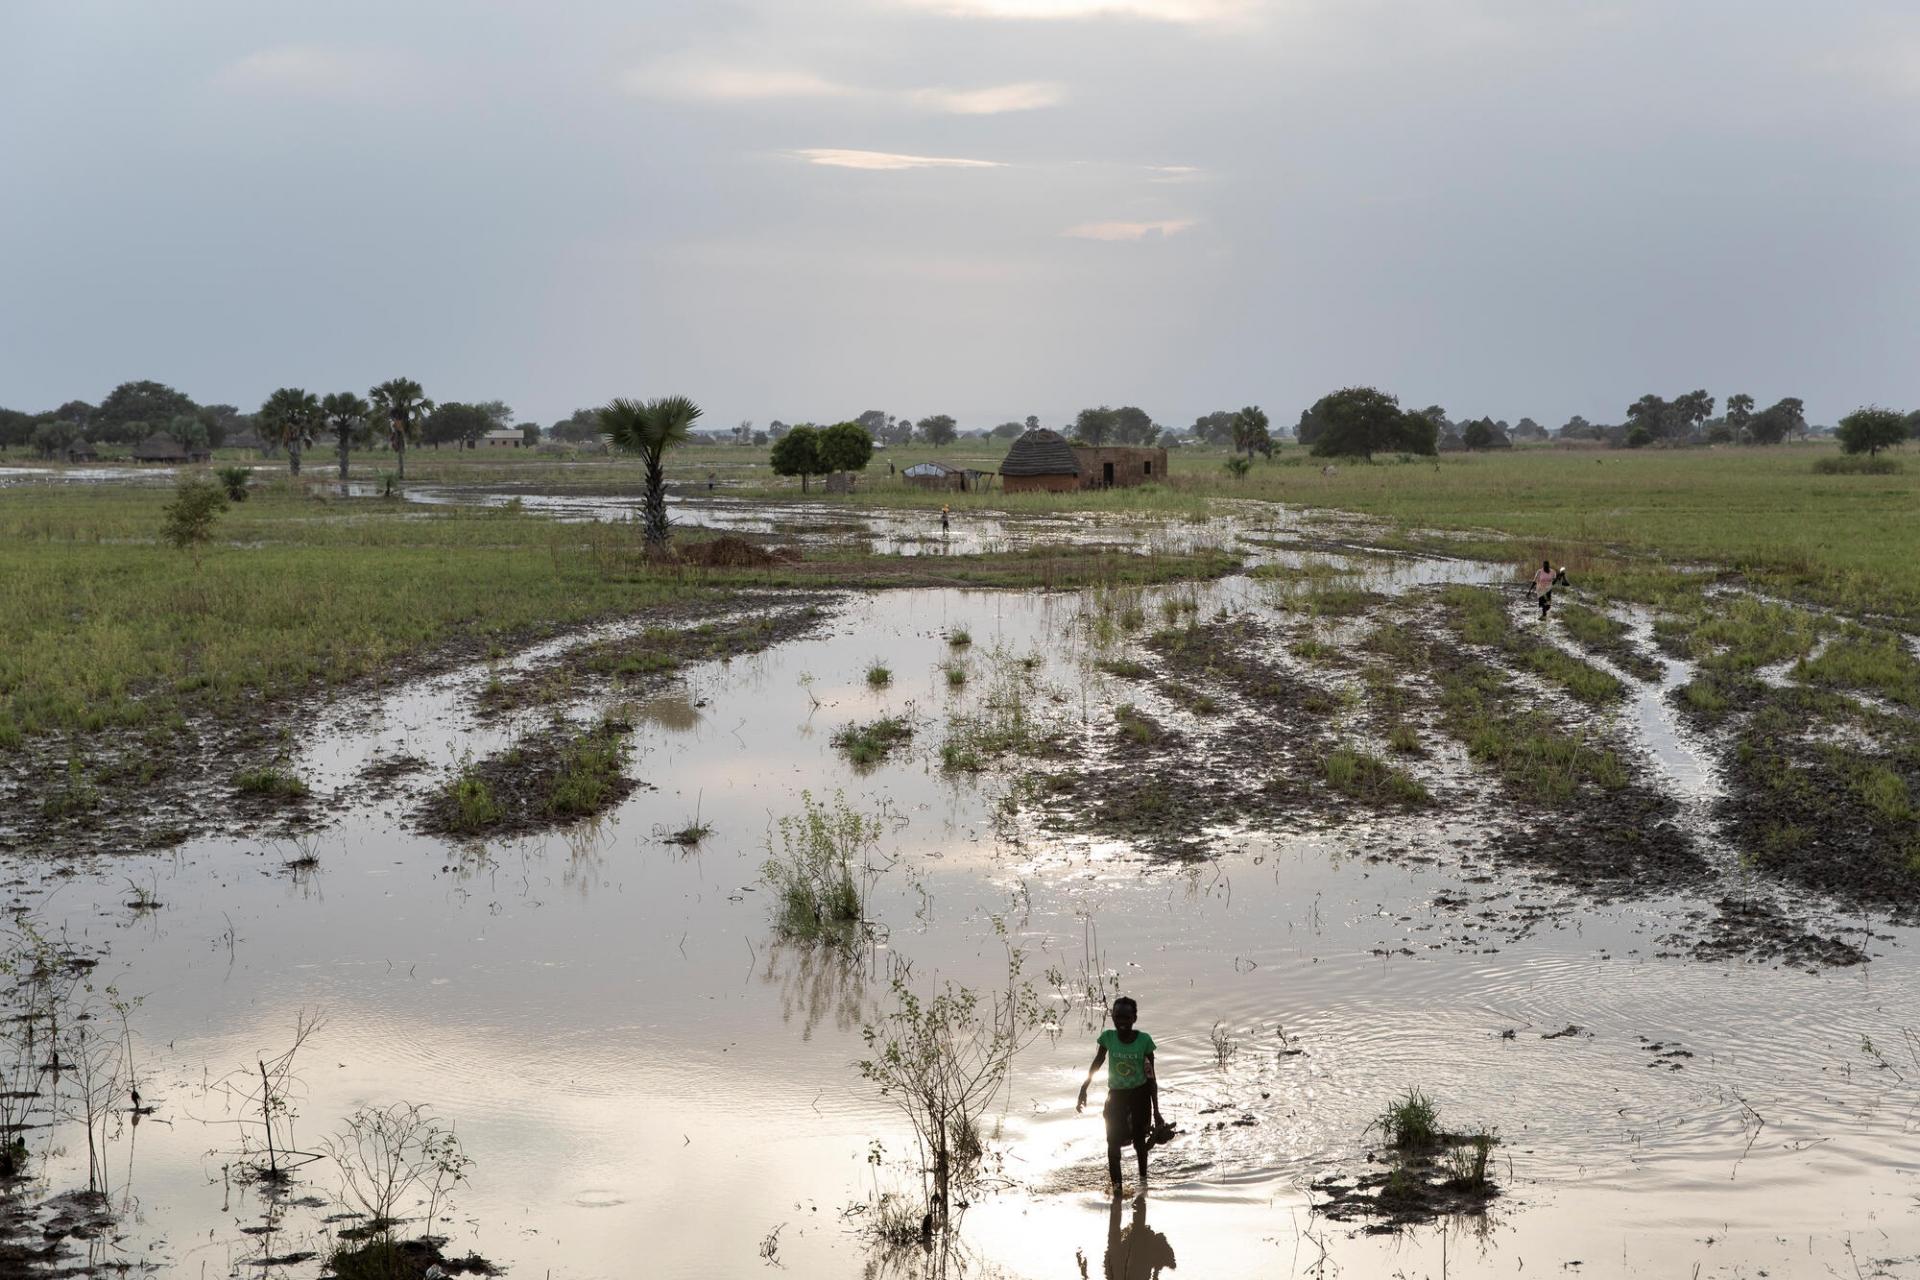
{"x": 292, "y": 419}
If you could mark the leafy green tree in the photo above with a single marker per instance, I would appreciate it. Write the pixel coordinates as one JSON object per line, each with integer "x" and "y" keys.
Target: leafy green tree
{"x": 1250, "y": 432}
{"x": 191, "y": 432}
{"x": 1778, "y": 421}
{"x": 1361, "y": 421}
{"x": 290, "y": 416}
{"x": 1653, "y": 416}
{"x": 1739, "y": 414}
{"x": 1528, "y": 429}
{"x": 123, "y": 416}
{"x": 499, "y": 414}
{"x": 845, "y": 446}
{"x": 797, "y": 453}
{"x": 404, "y": 406}
{"x": 16, "y": 428}
{"x": 1913, "y": 425}
{"x": 1639, "y": 436}
{"x": 874, "y": 421}
{"x": 1237, "y": 467}
{"x": 1133, "y": 425}
{"x": 581, "y": 427}
{"x": 1693, "y": 408}
{"x": 1870, "y": 429}
{"x": 1033, "y": 422}
{"x": 1577, "y": 428}
{"x": 650, "y": 429}
{"x": 938, "y": 430}
{"x": 1094, "y": 425}
{"x": 188, "y": 522}
{"x": 1215, "y": 428}
{"x": 1008, "y": 430}
{"x": 346, "y": 416}
{"x": 529, "y": 434}
{"x": 1484, "y": 434}
{"x": 457, "y": 423}
{"x": 50, "y": 437}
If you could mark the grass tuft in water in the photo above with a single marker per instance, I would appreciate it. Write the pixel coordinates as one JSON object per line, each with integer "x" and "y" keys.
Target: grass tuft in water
{"x": 1410, "y": 1124}
{"x": 879, "y": 676}
{"x": 868, "y": 744}
{"x": 816, "y": 894}
{"x": 272, "y": 782}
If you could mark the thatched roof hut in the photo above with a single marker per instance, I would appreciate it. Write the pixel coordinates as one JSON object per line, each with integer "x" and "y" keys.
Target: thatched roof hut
{"x": 164, "y": 448}
{"x": 1040, "y": 459}
{"x": 81, "y": 451}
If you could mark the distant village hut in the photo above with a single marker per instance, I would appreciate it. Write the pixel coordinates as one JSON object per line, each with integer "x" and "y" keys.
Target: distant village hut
{"x": 1119, "y": 466}
{"x": 1041, "y": 461}
{"x": 81, "y": 451}
{"x": 160, "y": 448}
{"x": 504, "y": 438}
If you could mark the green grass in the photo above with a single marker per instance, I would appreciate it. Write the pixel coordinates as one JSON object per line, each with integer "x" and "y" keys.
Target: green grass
{"x": 868, "y": 744}
{"x": 1124, "y": 668}
{"x": 272, "y": 782}
{"x": 879, "y": 675}
{"x": 816, "y": 895}
{"x": 1479, "y": 615}
{"x": 590, "y": 771}
{"x": 1404, "y": 739}
{"x": 1527, "y": 748}
{"x": 1134, "y": 726}
{"x": 1876, "y": 662}
{"x": 1411, "y": 1123}
{"x": 1355, "y": 773}
{"x": 104, "y": 628}
{"x": 474, "y": 807}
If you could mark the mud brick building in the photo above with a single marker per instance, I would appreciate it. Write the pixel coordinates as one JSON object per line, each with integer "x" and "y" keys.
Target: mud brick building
{"x": 1043, "y": 461}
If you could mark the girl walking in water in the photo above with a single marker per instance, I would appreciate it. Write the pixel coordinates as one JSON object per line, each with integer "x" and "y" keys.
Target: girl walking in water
{"x": 1132, "y": 1089}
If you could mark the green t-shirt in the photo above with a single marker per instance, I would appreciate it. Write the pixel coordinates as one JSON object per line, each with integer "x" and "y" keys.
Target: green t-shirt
{"x": 1126, "y": 1063}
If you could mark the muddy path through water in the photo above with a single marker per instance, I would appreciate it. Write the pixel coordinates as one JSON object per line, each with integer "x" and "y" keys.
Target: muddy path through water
{"x": 1294, "y": 812}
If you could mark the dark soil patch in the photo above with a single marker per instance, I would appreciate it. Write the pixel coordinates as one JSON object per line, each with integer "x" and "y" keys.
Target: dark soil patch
{"x": 1838, "y": 819}
{"x": 1413, "y": 1188}
{"x": 638, "y": 662}
{"x": 402, "y": 1260}
{"x": 1751, "y": 928}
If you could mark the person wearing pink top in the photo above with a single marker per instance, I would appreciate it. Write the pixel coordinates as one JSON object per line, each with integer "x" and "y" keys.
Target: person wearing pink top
{"x": 1543, "y": 584}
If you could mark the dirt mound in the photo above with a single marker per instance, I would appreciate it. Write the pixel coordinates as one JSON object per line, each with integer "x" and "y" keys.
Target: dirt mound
{"x": 730, "y": 552}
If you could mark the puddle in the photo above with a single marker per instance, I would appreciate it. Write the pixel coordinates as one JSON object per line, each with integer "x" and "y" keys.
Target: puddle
{"x": 640, "y": 1071}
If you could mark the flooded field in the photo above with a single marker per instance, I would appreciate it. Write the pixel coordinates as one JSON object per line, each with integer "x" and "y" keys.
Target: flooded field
{"x": 1691, "y": 1068}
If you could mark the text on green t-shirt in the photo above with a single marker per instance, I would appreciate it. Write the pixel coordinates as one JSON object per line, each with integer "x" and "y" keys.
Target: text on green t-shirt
{"x": 1126, "y": 1063}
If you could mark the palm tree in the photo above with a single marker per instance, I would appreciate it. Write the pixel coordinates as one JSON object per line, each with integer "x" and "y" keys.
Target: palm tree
{"x": 291, "y": 414}
{"x": 1250, "y": 431}
{"x": 650, "y": 430}
{"x": 404, "y": 406}
{"x": 346, "y": 415}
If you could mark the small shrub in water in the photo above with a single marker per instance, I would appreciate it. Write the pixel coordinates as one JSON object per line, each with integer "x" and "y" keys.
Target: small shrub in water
{"x": 1411, "y": 1124}
{"x": 956, "y": 675}
{"x": 959, "y": 637}
{"x": 813, "y": 880}
{"x": 474, "y": 806}
{"x": 879, "y": 676}
{"x": 272, "y": 782}
{"x": 868, "y": 744}
{"x": 591, "y": 769}
{"x": 1467, "y": 1162}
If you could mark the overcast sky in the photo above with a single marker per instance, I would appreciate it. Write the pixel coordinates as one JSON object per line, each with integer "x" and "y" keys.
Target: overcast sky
{"x": 800, "y": 209}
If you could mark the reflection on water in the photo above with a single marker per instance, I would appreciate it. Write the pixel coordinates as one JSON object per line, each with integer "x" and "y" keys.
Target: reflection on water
{"x": 1135, "y": 1251}
{"x": 609, "y": 1021}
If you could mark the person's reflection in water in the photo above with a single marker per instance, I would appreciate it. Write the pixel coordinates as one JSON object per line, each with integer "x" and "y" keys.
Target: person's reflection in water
{"x": 1137, "y": 1251}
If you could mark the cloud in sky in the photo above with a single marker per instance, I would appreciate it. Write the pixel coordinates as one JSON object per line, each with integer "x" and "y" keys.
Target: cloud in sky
{"x": 842, "y": 158}
{"x": 321, "y": 71}
{"x": 1188, "y": 11}
{"x": 1156, "y": 230}
{"x": 702, "y": 80}
{"x": 716, "y": 82}
{"x": 1032, "y": 95}
{"x": 1503, "y": 206}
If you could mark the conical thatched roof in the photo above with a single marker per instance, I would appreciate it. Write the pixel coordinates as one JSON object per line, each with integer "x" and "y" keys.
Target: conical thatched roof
{"x": 159, "y": 448}
{"x": 1040, "y": 452}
